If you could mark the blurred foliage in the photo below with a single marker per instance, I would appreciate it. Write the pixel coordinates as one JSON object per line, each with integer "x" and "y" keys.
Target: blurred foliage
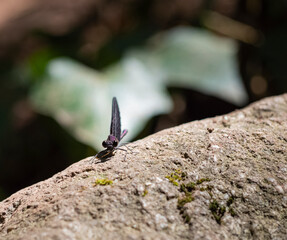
{"x": 99, "y": 34}
{"x": 78, "y": 97}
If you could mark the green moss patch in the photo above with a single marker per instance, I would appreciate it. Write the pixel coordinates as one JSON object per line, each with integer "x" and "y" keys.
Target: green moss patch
{"x": 186, "y": 218}
{"x": 103, "y": 181}
{"x": 182, "y": 201}
{"x": 176, "y": 176}
{"x": 187, "y": 188}
{"x": 202, "y": 180}
{"x": 232, "y": 212}
{"x": 217, "y": 210}
{"x": 229, "y": 201}
{"x": 145, "y": 193}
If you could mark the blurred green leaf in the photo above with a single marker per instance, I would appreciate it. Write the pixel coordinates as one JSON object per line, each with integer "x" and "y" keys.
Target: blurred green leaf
{"x": 79, "y": 97}
{"x": 197, "y": 59}
{"x": 39, "y": 60}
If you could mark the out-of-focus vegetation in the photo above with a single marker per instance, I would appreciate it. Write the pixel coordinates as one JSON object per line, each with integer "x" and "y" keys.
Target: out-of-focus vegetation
{"x": 130, "y": 49}
{"x": 78, "y": 97}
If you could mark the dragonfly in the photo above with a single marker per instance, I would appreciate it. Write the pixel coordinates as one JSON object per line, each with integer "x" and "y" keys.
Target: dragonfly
{"x": 116, "y": 135}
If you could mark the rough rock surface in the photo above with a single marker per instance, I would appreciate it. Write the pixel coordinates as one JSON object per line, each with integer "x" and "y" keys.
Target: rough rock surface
{"x": 218, "y": 178}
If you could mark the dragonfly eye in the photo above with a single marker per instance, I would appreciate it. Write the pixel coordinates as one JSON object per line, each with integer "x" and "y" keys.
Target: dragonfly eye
{"x": 115, "y": 143}
{"x": 104, "y": 144}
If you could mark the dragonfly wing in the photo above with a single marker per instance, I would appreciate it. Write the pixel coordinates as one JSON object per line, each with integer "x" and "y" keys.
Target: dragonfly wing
{"x": 124, "y": 133}
{"x": 116, "y": 120}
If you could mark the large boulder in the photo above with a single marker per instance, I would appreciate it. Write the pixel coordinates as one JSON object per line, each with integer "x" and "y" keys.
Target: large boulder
{"x": 218, "y": 178}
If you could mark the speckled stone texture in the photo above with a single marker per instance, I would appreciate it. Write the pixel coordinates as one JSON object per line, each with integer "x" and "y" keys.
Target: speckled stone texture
{"x": 218, "y": 178}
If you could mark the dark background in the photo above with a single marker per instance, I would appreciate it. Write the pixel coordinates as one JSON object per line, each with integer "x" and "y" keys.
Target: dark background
{"x": 97, "y": 33}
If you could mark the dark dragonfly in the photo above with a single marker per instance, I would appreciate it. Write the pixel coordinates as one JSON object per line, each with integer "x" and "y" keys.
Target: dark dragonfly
{"x": 115, "y": 136}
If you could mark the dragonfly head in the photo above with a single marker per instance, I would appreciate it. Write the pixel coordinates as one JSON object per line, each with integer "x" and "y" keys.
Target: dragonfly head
{"x": 111, "y": 142}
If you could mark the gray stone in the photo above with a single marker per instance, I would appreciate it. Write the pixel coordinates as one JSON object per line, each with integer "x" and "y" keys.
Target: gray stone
{"x": 218, "y": 178}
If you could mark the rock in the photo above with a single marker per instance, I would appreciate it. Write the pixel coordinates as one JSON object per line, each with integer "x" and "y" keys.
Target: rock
{"x": 218, "y": 178}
